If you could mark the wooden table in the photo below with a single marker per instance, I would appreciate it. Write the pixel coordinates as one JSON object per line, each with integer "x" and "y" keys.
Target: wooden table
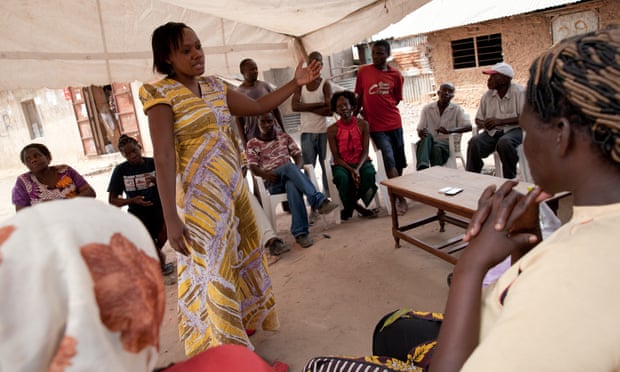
{"x": 423, "y": 187}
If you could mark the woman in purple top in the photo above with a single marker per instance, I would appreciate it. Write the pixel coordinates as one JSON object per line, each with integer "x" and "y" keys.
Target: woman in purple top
{"x": 44, "y": 182}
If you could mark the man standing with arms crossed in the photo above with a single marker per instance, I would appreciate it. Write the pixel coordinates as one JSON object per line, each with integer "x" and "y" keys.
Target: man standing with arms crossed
{"x": 379, "y": 89}
{"x": 313, "y": 102}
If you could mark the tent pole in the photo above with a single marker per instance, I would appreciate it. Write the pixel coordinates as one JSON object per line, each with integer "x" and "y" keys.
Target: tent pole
{"x": 105, "y": 44}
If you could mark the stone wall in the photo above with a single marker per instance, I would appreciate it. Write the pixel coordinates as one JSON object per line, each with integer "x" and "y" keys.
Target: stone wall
{"x": 60, "y": 131}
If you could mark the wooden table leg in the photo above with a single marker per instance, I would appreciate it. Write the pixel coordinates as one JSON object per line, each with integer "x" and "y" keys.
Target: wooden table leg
{"x": 394, "y": 218}
{"x": 441, "y": 214}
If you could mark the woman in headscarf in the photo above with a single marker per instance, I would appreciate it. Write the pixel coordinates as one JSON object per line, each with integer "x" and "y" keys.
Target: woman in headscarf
{"x": 82, "y": 290}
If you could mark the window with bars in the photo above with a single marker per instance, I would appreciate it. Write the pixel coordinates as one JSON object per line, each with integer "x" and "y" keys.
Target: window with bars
{"x": 483, "y": 50}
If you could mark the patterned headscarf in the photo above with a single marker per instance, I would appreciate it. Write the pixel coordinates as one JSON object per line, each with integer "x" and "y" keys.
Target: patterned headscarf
{"x": 81, "y": 290}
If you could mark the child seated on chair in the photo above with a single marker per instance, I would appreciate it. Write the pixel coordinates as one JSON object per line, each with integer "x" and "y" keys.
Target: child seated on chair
{"x": 353, "y": 172}
{"x": 269, "y": 157}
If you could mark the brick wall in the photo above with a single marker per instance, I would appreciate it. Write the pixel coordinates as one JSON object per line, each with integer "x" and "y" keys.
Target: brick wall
{"x": 523, "y": 38}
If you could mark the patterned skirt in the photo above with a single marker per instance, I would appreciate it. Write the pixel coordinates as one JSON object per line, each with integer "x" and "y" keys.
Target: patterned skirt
{"x": 400, "y": 330}
{"x": 224, "y": 286}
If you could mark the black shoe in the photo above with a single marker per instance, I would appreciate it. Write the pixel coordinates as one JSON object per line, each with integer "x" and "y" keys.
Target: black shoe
{"x": 304, "y": 240}
{"x": 344, "y": 216}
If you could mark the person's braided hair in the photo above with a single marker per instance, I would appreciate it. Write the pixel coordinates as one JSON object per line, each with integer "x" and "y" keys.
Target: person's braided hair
{"x": 579, "y": 79}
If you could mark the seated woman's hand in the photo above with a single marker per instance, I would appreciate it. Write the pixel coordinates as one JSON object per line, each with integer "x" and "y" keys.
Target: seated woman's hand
{"x": 506, "y": 222}
{"x": 356, "y": 177}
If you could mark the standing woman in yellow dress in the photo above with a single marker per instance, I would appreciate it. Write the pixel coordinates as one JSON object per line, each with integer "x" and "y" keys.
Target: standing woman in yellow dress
{"x": 224, "y": 287}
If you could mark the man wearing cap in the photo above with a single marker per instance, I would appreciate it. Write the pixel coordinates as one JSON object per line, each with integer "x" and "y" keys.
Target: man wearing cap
{"x": 499, "y": 111}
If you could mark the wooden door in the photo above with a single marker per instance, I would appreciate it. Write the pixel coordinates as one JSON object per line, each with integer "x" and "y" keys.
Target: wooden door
{"x": 32, "y": 118}
{"x": 80, "y": 109}
{"x": 105, "y": 119}
{"x": 127, "y": 119}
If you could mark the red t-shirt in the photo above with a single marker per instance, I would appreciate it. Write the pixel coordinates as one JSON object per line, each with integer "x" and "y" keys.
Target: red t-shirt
{"x": 381, "y": 91}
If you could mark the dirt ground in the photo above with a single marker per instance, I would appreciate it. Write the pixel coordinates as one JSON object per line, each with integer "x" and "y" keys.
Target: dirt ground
{"x": 329, "y": 296}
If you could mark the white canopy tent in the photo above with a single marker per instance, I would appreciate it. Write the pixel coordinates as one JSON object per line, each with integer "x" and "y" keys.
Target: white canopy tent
{"x": 57, "y": 43}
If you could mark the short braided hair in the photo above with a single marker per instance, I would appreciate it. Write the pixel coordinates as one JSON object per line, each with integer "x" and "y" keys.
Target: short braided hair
{"x": 579, "y": 78}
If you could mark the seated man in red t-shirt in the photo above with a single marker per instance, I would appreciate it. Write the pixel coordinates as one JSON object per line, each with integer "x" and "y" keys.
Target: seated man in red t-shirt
{"x": 269, "y": 157}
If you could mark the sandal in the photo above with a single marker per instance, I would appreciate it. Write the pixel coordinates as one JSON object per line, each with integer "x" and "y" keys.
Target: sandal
{"x": 276, "y": 246}
{"x": 279, "y": 366}
{"x": 271, "y": 259}
{"x": 250, "y": 332}
{"x": 372, "y": 214}
{"x": 401, "y": 207}
{"x": 366, "y": 213}
{"x": 167, "y": 269}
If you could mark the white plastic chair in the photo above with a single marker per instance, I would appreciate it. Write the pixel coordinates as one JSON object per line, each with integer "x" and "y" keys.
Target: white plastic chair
{"x": 311, "y": 174}
{"x": 333, "y": 189}
{"x": 377, "y": 160}
{"x": 271, "y": 201}
{"x": 523, "y": 167}
{"x": 454, "y": 143}
{"x": 455, "y": 151}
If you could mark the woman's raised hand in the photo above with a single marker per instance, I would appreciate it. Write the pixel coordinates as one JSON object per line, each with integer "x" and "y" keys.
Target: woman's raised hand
{"x": 304, "y": 75}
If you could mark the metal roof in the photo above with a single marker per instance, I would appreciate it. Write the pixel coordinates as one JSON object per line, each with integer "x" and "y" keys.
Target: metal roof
{"x": 443, "y": 14}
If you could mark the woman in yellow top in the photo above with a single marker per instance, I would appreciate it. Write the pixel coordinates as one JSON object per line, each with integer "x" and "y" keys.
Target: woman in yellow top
{"x": 224, "y": 287}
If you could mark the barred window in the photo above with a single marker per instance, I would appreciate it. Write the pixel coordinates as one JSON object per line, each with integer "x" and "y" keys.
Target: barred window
{"x": 483, "y": 50}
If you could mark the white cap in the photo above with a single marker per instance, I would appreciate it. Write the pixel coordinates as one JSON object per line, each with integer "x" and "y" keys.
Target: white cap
{"x": 500, "y": 68}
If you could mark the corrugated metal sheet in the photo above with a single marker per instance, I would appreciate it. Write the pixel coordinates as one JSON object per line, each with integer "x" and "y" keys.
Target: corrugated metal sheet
{"x": 444, "y": 14}
{"x": 412, "y": 60}
{"x": 418, "y": 88}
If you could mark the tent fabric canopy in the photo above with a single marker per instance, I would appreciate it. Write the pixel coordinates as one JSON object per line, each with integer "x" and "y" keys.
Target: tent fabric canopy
{"x": 61, "y": 43}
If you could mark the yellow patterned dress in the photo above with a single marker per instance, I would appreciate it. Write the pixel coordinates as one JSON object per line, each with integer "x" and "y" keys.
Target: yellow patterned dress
{"x": 224, "y": 287}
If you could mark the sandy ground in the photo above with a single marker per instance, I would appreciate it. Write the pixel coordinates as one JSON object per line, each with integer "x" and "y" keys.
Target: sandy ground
{"x": 329, "y": 296}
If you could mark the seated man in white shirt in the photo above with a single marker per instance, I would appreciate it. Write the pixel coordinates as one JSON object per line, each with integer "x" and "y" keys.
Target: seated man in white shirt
{"x": 437, "y": 121}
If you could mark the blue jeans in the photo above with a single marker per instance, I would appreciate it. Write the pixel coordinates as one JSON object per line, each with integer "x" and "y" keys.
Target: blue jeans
{"x": 296, "y": 185}
{"x": 313, "y": 145}
{"x": 392, "y": 146}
